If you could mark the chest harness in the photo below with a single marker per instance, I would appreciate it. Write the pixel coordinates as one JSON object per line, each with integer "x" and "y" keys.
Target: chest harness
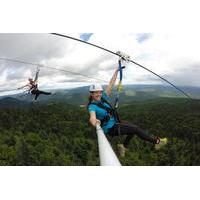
{"x": 112, "y": 112}
{"x": 34, "y": 85}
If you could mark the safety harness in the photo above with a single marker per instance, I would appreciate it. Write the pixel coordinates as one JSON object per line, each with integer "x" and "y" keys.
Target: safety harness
{"x": 34, "y": 85}
{"x": 111, "y": 112}
{"x": 122, "y": 57}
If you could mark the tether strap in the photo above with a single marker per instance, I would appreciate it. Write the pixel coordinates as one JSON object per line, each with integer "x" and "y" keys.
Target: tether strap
{"x": 37, "y": 74}
{"x": 119, "y": 87}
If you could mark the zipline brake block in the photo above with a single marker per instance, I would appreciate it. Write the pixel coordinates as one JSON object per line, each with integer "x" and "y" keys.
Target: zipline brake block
{"x": 123, "y": 56}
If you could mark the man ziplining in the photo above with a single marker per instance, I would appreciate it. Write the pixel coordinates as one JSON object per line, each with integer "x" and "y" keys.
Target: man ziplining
{"x": 33, "y": 87}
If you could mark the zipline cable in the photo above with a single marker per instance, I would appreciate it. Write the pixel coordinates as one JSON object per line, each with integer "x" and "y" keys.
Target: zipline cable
{"x": 44, "y": 66}
{"x": 10, "y": 90}
{"x": 75, "y": 73}
{"x": 112, "y": 52}
{"x": 94, "y": 45}
{"x": 180, "y": 90}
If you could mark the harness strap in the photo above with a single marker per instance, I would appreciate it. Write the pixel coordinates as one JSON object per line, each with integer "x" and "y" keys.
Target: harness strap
{"x": 37, "y": 74}
{"x": 33, "y": 87}
{"x": 119, "y": 87}
{"x": 111, "y": 112}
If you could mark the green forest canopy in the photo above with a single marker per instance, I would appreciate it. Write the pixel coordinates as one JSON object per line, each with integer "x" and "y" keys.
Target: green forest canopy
{"x": 59, "y": 134}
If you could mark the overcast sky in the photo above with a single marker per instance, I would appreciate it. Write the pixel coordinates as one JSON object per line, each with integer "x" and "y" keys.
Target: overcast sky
{"x": 173, "y": 56}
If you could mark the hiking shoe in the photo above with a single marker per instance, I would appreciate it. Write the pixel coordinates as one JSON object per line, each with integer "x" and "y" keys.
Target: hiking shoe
{"x": 162, "y": 142}
{"x": 121, "y": 150}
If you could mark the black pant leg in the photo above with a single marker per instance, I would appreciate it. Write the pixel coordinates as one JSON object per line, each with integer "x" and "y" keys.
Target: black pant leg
{"x": 130, "y": 130}
{"x": 46, "y": 93}
{"x": 38, "y": 92}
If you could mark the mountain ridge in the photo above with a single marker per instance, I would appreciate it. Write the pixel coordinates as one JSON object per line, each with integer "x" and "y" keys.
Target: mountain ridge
{"x": 79, "y": 96}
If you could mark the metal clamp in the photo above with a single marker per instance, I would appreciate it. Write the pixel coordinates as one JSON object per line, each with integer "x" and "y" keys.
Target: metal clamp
{"x": 123, "y": 56}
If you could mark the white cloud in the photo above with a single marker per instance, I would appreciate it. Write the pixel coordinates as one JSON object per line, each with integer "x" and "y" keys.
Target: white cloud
{"x": 170, "y": 55}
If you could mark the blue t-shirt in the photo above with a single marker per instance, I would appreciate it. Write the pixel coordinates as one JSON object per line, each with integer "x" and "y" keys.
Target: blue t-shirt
{"x": 101, "y": 113}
